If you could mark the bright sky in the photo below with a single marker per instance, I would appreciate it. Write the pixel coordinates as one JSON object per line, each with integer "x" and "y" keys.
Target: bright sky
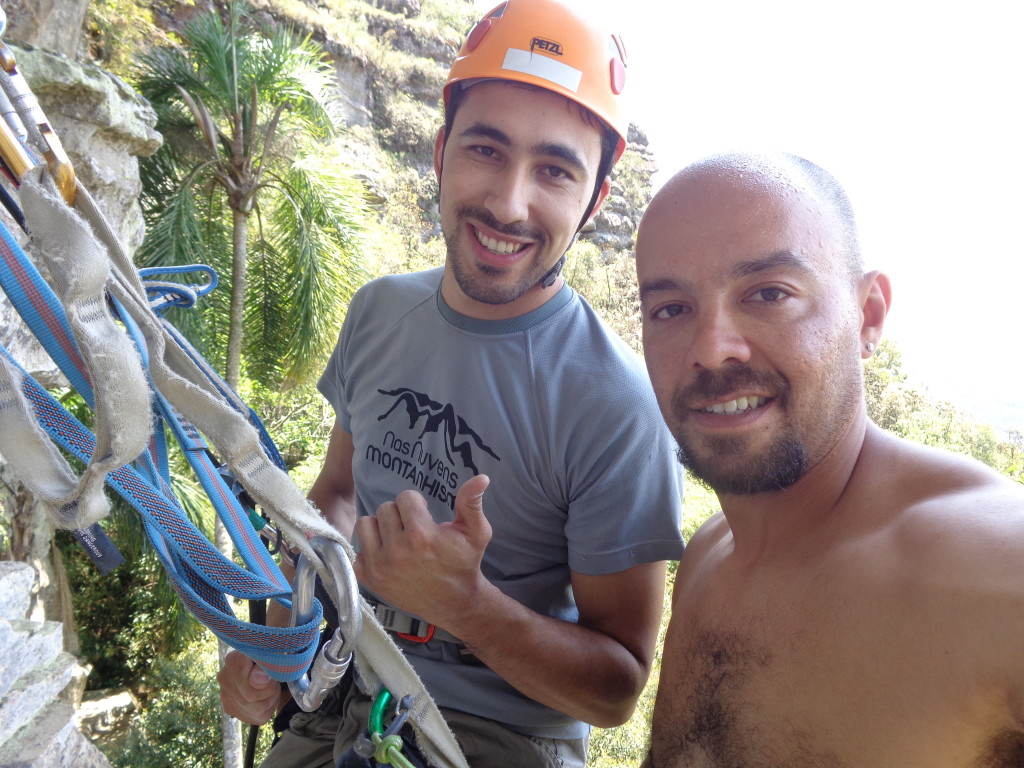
{"x": 916, "y": 107}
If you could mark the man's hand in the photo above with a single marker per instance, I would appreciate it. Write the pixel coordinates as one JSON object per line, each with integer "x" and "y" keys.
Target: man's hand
{"x": 418, "y": 565}
{"x": 247, "y": 692}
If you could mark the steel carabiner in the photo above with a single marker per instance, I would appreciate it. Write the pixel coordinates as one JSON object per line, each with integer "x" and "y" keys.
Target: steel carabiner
{"x": 21, "y": 106}
{"x": 334, "y": 658}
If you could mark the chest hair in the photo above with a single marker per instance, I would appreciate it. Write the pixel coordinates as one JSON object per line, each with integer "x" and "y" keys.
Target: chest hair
{"x": 717, "y": 725}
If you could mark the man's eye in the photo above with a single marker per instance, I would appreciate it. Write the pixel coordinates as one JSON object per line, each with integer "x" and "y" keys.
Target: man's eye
{"x": 769, "y": 294}
{"x": 483, "y": 150}
{"x": 557, "y": 173}
{"x": 668, "y": 311}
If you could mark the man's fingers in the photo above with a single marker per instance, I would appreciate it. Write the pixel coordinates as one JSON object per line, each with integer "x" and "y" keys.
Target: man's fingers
{"x": 258, "y": 678}
{"x": 247, "y": 692}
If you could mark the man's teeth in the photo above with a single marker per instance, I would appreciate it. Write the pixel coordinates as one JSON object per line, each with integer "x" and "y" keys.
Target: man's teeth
{"x": 498, "y": 246}
{"x": 738, "y": 405}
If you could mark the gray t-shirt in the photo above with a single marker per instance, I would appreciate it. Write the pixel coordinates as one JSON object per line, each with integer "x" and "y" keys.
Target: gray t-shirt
{"x": 553, "y": 407}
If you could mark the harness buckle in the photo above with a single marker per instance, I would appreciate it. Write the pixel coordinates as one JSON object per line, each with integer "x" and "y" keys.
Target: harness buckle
{"x": 404, "y": 625}
{"x": 334, "y": 658}
{"x": 419, "y": 638}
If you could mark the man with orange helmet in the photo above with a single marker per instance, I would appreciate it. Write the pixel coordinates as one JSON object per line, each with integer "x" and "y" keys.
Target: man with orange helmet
{"x": 524, "y": 486}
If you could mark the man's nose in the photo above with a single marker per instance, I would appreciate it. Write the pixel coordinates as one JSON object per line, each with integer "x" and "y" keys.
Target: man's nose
{"x": 719, "y": 340}
{"x": 509, "y": 198}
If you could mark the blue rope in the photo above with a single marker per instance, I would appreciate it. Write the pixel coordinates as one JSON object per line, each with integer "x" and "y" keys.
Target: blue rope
{"x": 199, "y": 573}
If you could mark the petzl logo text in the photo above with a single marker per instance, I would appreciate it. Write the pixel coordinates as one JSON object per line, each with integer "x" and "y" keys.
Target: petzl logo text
{"x": 548, "y": 46}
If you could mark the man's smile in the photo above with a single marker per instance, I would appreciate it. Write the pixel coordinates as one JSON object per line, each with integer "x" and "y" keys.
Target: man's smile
{"x": 501, "y": 247}
{"x": 737, "y": 405}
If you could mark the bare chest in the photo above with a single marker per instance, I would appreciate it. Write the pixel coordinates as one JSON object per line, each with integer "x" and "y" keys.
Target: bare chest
{"x": 822, "y": 677}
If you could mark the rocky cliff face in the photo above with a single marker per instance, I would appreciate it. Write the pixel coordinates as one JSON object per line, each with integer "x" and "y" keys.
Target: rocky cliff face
{"x": 38, "y": 688}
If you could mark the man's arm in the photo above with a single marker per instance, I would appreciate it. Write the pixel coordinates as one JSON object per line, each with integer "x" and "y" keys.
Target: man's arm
{"x": 334, "y": 490}
{"x": 594, "y": 670}
{"x": 246, "y": 691}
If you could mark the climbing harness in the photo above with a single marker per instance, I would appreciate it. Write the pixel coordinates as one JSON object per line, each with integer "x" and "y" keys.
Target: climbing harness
{"x": 101, "y": 321}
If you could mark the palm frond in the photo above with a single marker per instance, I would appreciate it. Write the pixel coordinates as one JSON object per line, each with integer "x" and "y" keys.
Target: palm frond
{"x": 317, "y": 231}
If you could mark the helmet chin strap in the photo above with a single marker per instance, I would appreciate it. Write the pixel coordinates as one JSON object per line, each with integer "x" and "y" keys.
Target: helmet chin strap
{"x": 556, "y": 270}
{"x": 553, "y": 273}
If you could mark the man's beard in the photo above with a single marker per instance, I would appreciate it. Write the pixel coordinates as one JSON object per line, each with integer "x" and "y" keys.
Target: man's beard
{"x": 482, "y": 289}
{"x": 778, "y": 467}
{"x": 723, "y": 464}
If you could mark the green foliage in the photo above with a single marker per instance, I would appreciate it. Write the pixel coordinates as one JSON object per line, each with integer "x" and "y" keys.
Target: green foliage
{"x": 405, "y": 123}
{"x": 699, "y": 503}
{"x": 632, "y": 179}
{"x": 895, "y": 404}
{"x": 300, "y": 421}
{"x": 117, "y": 30}
{"x": 452, "y": 21}
{"x": 128, "y": 618}
{"x": 609, "y": 285}
{"x": 175, "y": 727}
{"x": 245, "y": 114}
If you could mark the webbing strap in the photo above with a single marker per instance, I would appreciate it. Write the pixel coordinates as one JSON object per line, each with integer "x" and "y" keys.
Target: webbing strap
{"x": 78, "y": 265}
{"x": 189, "y": 391}
{"x": 200, "y": 573}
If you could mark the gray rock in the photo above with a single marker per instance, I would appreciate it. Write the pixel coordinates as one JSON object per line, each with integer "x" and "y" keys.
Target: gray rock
{"x": 16, "y": 580}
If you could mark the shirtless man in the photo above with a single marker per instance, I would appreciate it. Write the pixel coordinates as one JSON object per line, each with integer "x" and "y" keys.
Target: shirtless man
{"x": 859, "y": 601}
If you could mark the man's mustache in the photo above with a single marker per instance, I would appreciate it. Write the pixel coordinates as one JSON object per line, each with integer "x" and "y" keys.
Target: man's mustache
{"x": 485, "y": 217}
{"x": 713, "y": 385}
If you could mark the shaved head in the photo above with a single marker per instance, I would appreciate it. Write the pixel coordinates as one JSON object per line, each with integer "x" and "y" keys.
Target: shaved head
{"x": 789, "y": 175}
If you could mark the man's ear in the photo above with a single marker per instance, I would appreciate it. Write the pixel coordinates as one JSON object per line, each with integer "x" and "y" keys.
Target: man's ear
{"x": 438, "y": 153}
{"x": 875, "y": 295}
{"x": 606, "y": 185}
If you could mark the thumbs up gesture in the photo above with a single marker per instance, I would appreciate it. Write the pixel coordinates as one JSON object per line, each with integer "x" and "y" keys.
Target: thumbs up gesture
{"x": 425, "y": 568}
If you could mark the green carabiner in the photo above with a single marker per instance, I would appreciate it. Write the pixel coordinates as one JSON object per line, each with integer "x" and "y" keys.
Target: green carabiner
{"x": 380, "y": 706}
{"x": 387, "y": 746}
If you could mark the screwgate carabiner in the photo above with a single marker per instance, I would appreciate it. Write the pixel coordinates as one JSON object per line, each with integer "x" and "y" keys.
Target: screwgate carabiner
{"x": 334, "y": 658}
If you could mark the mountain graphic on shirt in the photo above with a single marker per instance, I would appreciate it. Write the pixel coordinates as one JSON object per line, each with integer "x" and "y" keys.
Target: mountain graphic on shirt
{"x": 459, "y": 436}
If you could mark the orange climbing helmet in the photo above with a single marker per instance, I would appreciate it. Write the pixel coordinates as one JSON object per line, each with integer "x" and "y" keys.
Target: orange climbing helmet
{"x": 549, "y": 45}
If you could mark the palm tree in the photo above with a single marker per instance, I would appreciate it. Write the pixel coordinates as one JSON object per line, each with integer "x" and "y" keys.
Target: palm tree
{"x": 243, "y": 171}
{"x": 244, "y": 117}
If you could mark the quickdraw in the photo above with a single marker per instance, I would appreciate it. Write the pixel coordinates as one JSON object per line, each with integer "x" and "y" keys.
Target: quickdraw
{"x": 105, "y": 314}
{"x": 384, "y": 744}
{"x": 18, "y": 100}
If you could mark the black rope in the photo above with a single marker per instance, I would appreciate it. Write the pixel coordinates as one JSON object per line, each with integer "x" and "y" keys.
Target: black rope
{"x": 9, "y": 203}
{"x": 257, "y": 615}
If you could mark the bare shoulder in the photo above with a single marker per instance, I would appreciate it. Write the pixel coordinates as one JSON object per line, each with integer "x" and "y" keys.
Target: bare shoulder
{"x": 708, "y": 536}
{"x": 957, "y": 534}
{"x": 939, "y": 485}
{"x": 699, "y": 557}
{"x": 951, "y": 508}
{"x": 946, "y": 539}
